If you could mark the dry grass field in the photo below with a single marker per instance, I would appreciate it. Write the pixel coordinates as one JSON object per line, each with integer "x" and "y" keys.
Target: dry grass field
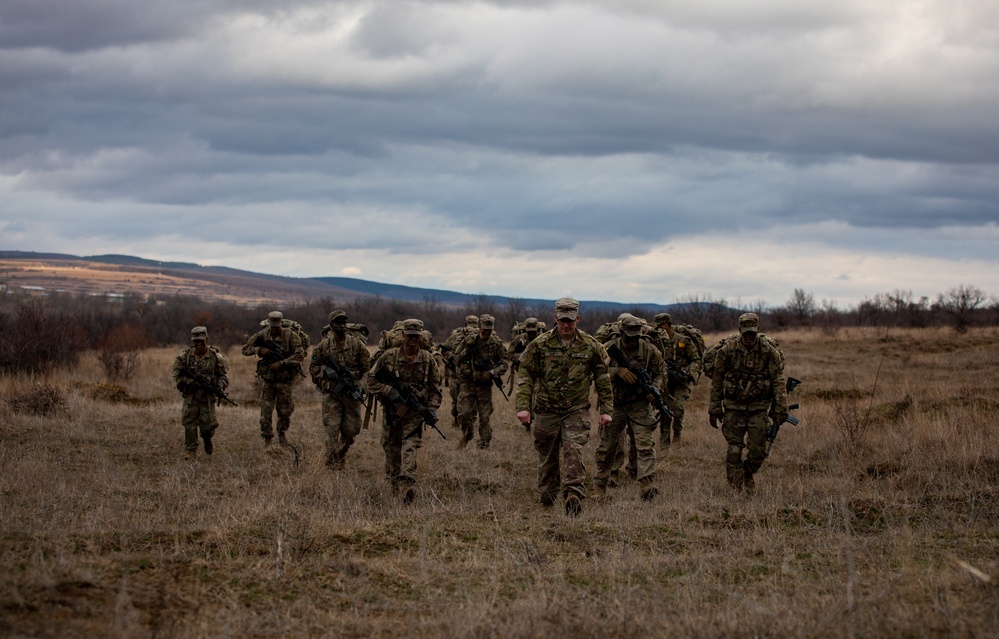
{"x": 878, "y": 516}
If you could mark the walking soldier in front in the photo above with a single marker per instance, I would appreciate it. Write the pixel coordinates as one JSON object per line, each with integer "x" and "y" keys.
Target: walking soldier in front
{"x": 481, "y": 363}
{"x": 281, "y": 354}
{"x": 199, "y": 371}
{"x": 448, "y": 348}
{"x": 415, "y": 372}
{"x": 337, "y": 368}
{"x": 633, "y": 408}
{"x": 682, "y": 354}
{"x": 748, "y": 378}
{"x": 557, "y": 371}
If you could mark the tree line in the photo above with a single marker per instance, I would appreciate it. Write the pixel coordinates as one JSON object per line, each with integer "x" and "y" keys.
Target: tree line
{"x": 45, "y": 332}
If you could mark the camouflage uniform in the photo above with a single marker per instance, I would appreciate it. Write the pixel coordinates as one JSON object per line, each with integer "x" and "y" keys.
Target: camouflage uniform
{"x": 557, "y": 378}
{"x": 530, "y": 331}
{"x": 683, "y": 363}
{"x": 451, "y": 379}
{"x": 276, "y": 388}
{"x": 198, "y": 412}
{"x": 402, "y": 427}
{"x": 746, "y": 381}
{"x": 479, "y": 361}
{"x": 341, "y": 412}
{"x": 632, "y": 412}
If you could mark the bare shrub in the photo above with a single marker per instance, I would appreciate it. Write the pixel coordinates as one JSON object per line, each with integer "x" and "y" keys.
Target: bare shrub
{"x": 38, "y": 338}
{"x": 118, "y": 353}
{"x": 38, "y": 399}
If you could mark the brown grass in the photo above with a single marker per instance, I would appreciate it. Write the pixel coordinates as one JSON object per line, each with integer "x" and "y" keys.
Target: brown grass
{"x": 877, "y": 516}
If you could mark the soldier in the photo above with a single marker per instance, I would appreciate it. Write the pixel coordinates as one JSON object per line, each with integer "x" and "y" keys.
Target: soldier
{"x": 633, "y": 410}
{"x": 451, "y": 379}
{"x": 198, "y": 412}
{"x": 748, "y": 378}
{"x": 281, "y": 354}
{"x": 530, "y": 332}
{"x": 683, "y": 365}
{"x": 480, "y": 361}
{"x": 557, "y": 370}
{"x": 337, "y": 368}
{"x": 414, "y": 370}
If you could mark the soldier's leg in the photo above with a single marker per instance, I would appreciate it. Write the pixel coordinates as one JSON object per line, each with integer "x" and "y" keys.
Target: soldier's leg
{"x": 412, "y": 439}
{"x": 547, "y": 441}
{"x": 666, "y": 424}
{"x": 467, "y": 407}
{"x": 575, "y": 434}
{"x": 455, "y": 390}
{"x": 643, "y": 425}
{"x": 350, "y": 424}
{"x": 285, "y": 407}
{"x": 268, "y": 398}
{"x": 392, "y": 445}
{"x": 208, "y": 423}
{"x": 331, "y": 428}
{"x": 758, "y": 422}
{"x": 622, "y": 451}
{"x": 680, "y": 397}
{"x": 632, "y": 451}
{"x": 189, "y": 419}
{"x": 485, "y": 416}
{"x": 734, "y": 426}
{"x": 608, "y": 449}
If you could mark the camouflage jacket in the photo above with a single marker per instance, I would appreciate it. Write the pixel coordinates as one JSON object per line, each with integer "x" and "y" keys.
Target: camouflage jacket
{"x": 212, "y": 365}
{"x": 421, "y": 375}
{"x": 353, "y": 355}
{"x": 475, "y": 357}
{"x": 290, "y": 357}
{"x": 748, "y": 378}
{"x": 559, "y": 377}
{"x": 517, "y": 346}
{"x": 645, "y": 356}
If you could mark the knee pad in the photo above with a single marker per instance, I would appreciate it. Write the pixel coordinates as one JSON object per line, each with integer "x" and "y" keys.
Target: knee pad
{"x": 734, "y": 455}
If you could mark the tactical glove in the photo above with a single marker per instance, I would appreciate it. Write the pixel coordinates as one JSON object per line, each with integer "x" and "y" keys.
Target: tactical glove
{"x": 627, "y": 375}
{"x": 780, "y": 418}
{"x": 484, "y": 376}
{"x": 394, "y": 396}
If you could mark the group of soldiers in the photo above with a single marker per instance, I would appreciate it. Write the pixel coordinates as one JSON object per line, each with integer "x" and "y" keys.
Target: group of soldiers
{"x": 642, "y": 374}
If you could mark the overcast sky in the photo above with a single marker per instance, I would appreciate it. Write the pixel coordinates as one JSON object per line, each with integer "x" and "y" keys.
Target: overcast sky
{"x": 628, "y": 150}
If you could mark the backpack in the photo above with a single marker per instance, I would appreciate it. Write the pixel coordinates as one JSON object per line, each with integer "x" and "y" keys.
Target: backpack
{"x": 295, "y": 328}
{"x": 710, "y": 355}
{"x": 694, "y": 335}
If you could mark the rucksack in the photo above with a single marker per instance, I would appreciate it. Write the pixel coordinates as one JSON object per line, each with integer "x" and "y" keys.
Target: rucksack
{"x": 694, "y": 335}
{"x": 710, "y": 355}
{"x": 295, "y": 328}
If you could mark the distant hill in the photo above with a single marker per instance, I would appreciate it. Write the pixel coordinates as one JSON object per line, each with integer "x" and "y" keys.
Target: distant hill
{"x": 126, "y": 274}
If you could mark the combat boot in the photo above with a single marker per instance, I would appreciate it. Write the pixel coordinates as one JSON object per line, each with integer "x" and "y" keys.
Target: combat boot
{"x": 191, "y": 454}
{"x": 749, "y": 484}
{"x": 409, "y": 496}
{"x": 676, "y": 437}
{"x": 648, "y": 490}
{"x": 599, "y": 491}
{"x": 573, "y": 506}
{"x": 282, "y": 439}
{"x": 208, "y": 444}
{"x": 267, "y": 441}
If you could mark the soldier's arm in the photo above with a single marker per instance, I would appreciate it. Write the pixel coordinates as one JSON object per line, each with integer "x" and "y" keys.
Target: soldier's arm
{"x": 434, "y": 395}
{"x": 222, "y": 372}
{"x": 249, "y": 348}
{"x": 526, "y": 380}
{"x": 373, "y": 385}
{"x": 178, "y": 365}
{"x": 500, "y": 358}
{"x": 716, "y": 402}
{"x": 776, "y": 372}
{"x": 297, "y": 350}
{"x": 601, "y": 379}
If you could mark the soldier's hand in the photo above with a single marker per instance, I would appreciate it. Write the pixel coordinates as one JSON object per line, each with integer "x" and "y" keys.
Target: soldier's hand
{"x": 263, "y": 351}
{"x": 713, "y": 420}
{"x": 524, "y": 416}
{"x": 394, "y": 396}
{"x": 484, "y": 376}
{"x": 604, "y": 419}
{"x": 627, "y": 375}
{"x": 275, "y": 366}
{"x": 650, "y": 398}
{"x": 780, "y": 418}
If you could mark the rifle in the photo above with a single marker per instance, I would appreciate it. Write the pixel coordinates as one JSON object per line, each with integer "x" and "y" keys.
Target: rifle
{"x": 343, "y": 381}
{"x": 678, "y": 375}
{"x": 278, "y": 352}
{"x": 385, "y": 376}
{"x": 477, "y": 354}
{"x": 791, "y": 384}
{"x": 644, "y": 381}
{"x": 207, "y": 385}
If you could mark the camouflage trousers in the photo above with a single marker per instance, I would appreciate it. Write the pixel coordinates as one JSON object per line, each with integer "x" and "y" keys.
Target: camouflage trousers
{"x": 276, "y": 395}
{"x": 342, "y": 423}
{"x": 455, "y": 390}
{"x": 198, "y": 414}
{"x": 676, "y": 401}
{"x": 401, "y": 441}
{"x": 561, "y": 436}
{"x": 744, "y": 429}
{"x": 640, "y": 419}
{"x": 476, "y": 400}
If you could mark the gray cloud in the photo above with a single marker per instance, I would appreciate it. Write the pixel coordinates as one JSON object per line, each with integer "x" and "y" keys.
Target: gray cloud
{"x": 548, "y": 127}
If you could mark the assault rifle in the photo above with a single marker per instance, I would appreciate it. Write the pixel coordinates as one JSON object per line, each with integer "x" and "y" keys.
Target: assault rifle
{"x": 343, "y": 381}
{"x": 276, "y": 353}
{"x": 385, "y": 376}
{"x": 644, "y": 380}
{"x": 676, "y": 374}
{"x": 489, "y": 364}
{"x": 792, "y": 383}
{"x": 207, "y": 385}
